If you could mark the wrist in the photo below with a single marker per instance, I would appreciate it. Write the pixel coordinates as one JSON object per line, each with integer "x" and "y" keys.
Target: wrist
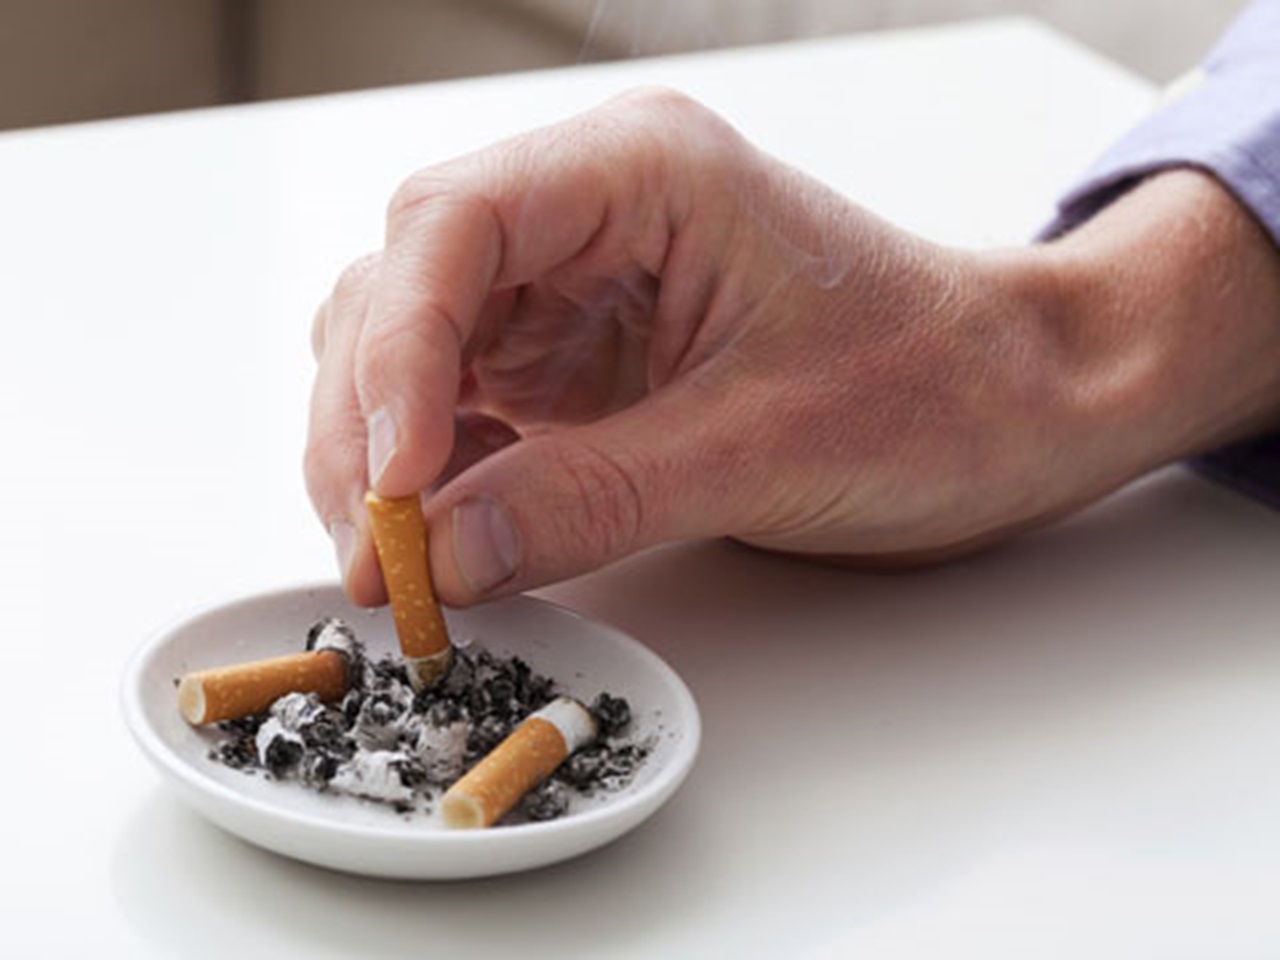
{"x": 1164, "y": 312}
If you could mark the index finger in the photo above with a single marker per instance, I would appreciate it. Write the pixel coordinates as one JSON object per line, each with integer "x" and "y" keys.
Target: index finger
{"x": 436, "y": 274}
{"x": 460, "y": 235}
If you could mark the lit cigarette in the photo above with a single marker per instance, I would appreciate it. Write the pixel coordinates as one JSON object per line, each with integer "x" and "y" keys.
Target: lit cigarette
{"x": 516, "y": 765}
{"x": 228, "y": 693}
{"x": 400, "y": 536}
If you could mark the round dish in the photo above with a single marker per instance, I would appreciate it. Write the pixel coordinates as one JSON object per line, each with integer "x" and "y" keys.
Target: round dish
{"x": 343, "y": 833}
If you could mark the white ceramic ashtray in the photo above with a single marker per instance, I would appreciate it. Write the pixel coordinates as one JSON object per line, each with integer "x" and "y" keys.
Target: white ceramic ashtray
{"x": 346, "y": 833}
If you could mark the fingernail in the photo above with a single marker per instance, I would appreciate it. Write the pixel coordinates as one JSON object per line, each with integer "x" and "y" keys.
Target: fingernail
{"x": 381, "y": 430}
{"x": 344, "y": 544}
{"x": 485, "y": 545}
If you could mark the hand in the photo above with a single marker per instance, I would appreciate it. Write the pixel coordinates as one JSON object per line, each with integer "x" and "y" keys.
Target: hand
{"x": 691, "y": 339}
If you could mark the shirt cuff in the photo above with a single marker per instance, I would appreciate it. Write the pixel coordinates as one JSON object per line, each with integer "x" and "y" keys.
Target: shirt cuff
{"x": 1227, "y": 123}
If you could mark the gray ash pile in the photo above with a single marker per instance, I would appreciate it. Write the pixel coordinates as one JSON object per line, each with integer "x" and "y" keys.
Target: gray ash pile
{"x": 385, "y": 744}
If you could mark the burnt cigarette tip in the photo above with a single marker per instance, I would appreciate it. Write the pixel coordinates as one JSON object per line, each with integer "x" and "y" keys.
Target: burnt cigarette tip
{"x": 426, "y": 672}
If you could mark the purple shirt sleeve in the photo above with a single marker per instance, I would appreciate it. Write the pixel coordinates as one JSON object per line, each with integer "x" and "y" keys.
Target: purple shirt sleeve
{"x": 1229, "y": 125}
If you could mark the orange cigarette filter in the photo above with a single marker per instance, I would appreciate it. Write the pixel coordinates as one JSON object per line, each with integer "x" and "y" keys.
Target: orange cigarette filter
{"x": 228, "y": 693}
{"x": 519, "y": 763}
{"x": 400, "y": 537}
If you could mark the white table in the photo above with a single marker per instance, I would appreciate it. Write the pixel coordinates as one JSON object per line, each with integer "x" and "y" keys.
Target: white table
{"x": 1070, "y": 747}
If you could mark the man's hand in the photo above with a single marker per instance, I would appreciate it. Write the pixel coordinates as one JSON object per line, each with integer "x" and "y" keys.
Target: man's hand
{"x": 690, "y": 339}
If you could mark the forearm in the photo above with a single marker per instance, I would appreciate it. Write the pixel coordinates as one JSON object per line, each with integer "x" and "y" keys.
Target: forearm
{"x": 1167, "y": 306}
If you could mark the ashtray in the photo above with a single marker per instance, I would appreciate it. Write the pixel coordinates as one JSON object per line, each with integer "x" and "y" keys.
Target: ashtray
{"x": 344, "y": 833}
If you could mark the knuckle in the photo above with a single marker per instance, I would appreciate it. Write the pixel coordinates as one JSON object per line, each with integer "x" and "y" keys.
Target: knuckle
{"x": 343, "y": 303}
{"x": 655, "y": 97}
{"x": 387, "y": 348}
{"x": 390, "y": 356}
{"x": 414, "y": 194}
{"x": 330, "y": 459}
{"x": 674, "y": 113}
{"x": 609, "y": 521}
{"x": 354, "y": 279}
{"x": 679, "y": 136}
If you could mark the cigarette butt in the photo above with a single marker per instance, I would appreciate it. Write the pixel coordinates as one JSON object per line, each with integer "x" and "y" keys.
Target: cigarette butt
{"x": 400, "y": 537}
{"x": 228, "y": 693}
{"x": 516, "y": 765}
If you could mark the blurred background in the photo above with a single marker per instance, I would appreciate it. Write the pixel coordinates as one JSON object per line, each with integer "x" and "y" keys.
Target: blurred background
{"x": 69, "y": 60}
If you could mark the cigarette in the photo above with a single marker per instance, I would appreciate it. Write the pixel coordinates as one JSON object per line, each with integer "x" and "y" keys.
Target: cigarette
{"x": 518, "y": 764}
{"x": 229, "y": 693}
{"x": 400, "y": 537}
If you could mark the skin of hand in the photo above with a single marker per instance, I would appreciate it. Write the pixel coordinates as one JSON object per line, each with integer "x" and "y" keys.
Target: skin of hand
{"x": 635, "y": 327}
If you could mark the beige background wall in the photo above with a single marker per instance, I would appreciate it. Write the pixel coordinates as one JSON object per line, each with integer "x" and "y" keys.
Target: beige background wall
{"x": 63, "y": 60}
{"x": 1159, "y": 38}
{"x": 305, "y": 46}
{"x": 70, "y": 59}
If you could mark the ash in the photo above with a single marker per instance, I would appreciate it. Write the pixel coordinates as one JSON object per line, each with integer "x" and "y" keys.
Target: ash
{"x": 385, "y": 744}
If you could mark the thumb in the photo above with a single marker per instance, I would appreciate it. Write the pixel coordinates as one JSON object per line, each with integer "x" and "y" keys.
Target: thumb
{"x": 565, "y": 502}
